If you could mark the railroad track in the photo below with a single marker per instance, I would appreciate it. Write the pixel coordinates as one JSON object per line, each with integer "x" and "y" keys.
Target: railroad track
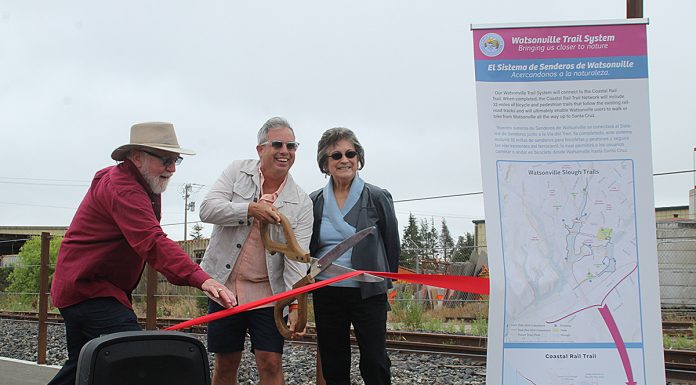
{"x": 680, "y": 365}
{"x": 681, "y": 328}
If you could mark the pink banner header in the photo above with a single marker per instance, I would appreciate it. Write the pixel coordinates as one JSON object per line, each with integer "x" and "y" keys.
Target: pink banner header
{"x": 560, "y": 42}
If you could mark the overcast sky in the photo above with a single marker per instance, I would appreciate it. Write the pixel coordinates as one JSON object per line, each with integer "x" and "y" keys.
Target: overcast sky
{"x": 75, "y": 75}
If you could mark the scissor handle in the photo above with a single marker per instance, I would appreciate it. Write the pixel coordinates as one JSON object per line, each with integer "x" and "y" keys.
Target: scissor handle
{"x": 291, "y": 248}
{"x": 301, "y": 309}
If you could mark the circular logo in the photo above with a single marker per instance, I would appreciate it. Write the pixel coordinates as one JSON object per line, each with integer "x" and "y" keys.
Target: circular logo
{"x": 491, "y": 44}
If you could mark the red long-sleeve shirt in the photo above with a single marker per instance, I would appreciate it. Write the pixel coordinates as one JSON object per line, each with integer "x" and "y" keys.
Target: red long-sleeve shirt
{"x": 115, "y": 231}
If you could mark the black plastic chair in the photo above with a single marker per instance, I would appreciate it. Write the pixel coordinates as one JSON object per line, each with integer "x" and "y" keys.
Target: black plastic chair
{"x": 143, "y": 358}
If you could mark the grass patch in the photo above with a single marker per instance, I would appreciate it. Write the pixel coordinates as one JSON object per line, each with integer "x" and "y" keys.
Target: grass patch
{"x": 679, "y": 342}
{"x": 479, "y": 327}
{"x": 19, "y": 302}
{"x": 410, "y": 313}
{"x": 173, "y": 307}
{"x": 465, "y": 310}
{"x": 406, "y": 312}
{"x": 683, "y": 342}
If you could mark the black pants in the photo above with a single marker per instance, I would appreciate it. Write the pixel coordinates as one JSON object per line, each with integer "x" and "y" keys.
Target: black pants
{"x": 335, "y": 309}
{"x": 88, "y": 320}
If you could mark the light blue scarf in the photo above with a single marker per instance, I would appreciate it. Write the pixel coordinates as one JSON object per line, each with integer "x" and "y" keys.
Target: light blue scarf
{"x": 334, "y": 213}
{"x": 335, "y": 229}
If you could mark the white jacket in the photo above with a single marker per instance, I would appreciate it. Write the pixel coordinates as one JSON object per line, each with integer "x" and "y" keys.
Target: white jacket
{"x": 226, "y": 207}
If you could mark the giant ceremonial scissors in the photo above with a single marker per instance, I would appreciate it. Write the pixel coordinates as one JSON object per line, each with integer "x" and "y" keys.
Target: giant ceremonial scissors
{"x": 292, "y": 250}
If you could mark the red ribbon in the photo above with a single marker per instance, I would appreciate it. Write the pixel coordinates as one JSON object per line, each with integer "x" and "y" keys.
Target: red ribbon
{"x": 455, "y": 282}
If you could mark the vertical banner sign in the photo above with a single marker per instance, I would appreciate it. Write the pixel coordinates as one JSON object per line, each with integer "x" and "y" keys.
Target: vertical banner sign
{"x": 568, "y": 190}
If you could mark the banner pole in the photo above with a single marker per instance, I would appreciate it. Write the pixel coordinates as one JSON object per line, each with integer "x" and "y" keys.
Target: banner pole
{"x": 634, "y": 9}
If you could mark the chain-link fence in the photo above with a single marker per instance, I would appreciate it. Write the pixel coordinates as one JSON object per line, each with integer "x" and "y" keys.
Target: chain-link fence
{"x": 183, "y": 302}
{"x": 172, "y": 300}
{"x": 676, "y": 252}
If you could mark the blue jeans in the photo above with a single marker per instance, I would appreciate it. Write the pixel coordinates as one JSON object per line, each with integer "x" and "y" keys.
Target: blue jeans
{"x": 88, "y": 320}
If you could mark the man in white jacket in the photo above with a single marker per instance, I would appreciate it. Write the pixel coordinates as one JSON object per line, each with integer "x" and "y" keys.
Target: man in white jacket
{"x": 247, "y": 192}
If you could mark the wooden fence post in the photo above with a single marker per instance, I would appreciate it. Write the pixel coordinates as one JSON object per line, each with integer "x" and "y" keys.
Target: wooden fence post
{"x": 43, "y": 297}
{"x": 151, "y": 307}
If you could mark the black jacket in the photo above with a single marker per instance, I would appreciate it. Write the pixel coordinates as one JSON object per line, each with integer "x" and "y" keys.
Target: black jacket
{"x": 374, "y": 253}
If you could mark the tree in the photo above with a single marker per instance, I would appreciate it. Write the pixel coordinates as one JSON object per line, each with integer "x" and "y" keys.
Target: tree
{"x": 463, "y": 248}
{"x": 446, "y": 241}
{"x": 410, "y": 243}
{"x": 25, "y": 276}
{"x": 428, "y": 234}
{"x": 4, "y": 277}
{"x": 196, "y": 231}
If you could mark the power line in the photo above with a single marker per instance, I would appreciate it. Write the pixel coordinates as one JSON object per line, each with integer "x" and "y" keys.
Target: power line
{"x": 203, "y": 185}
{"x": 438, "y": 214}
{"x": 438, "y": 197}
{"x": 15, "y": 240}
{"x": 673, "y": 172}
{"x": 44, "y": 184}
{"x": 396, "y": 201}
{"x": 179, "y": 223}
{"x": 32, "y": 205}
{"x": 481, "y": 192}
{"x": 45, "y": 180}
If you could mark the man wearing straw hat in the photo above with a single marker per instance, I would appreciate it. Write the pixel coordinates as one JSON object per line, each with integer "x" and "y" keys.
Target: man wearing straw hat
{"x": 114, "y": 232}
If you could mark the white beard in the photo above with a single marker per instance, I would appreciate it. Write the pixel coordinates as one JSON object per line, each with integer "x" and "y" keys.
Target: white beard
{"x": 157, "y": 184}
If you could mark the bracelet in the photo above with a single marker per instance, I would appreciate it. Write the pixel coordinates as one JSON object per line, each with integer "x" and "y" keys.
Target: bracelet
{"x": 294, "y": 306}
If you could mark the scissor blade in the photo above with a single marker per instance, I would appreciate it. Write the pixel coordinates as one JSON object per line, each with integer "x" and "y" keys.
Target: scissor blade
{"x": 327, "y": 259}
{"x": 334, "y": 269}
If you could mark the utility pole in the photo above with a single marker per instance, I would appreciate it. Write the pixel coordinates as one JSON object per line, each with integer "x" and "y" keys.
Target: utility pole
{"x": 187, "y": 193}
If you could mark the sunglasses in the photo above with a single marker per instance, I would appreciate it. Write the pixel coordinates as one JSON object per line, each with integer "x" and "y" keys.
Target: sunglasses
{"x": 350, "y": 154}
{"x": 278, "y": 144}
{"x": 166, "y": 161}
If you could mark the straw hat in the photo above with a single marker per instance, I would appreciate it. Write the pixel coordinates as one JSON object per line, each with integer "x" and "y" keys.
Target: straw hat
{"x": 159, "y": 135}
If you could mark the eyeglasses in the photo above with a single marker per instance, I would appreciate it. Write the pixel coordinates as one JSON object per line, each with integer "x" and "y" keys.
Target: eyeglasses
{"x": 278, "y": 144}
{"x": 350, "y": 154}
{"x": 166, "y": 161}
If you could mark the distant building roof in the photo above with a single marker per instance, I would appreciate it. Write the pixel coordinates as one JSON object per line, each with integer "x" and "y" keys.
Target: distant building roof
{"x": 672, "y": 208}
{"x": 33, "y": 230}
{"x": 13, "y": 237}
